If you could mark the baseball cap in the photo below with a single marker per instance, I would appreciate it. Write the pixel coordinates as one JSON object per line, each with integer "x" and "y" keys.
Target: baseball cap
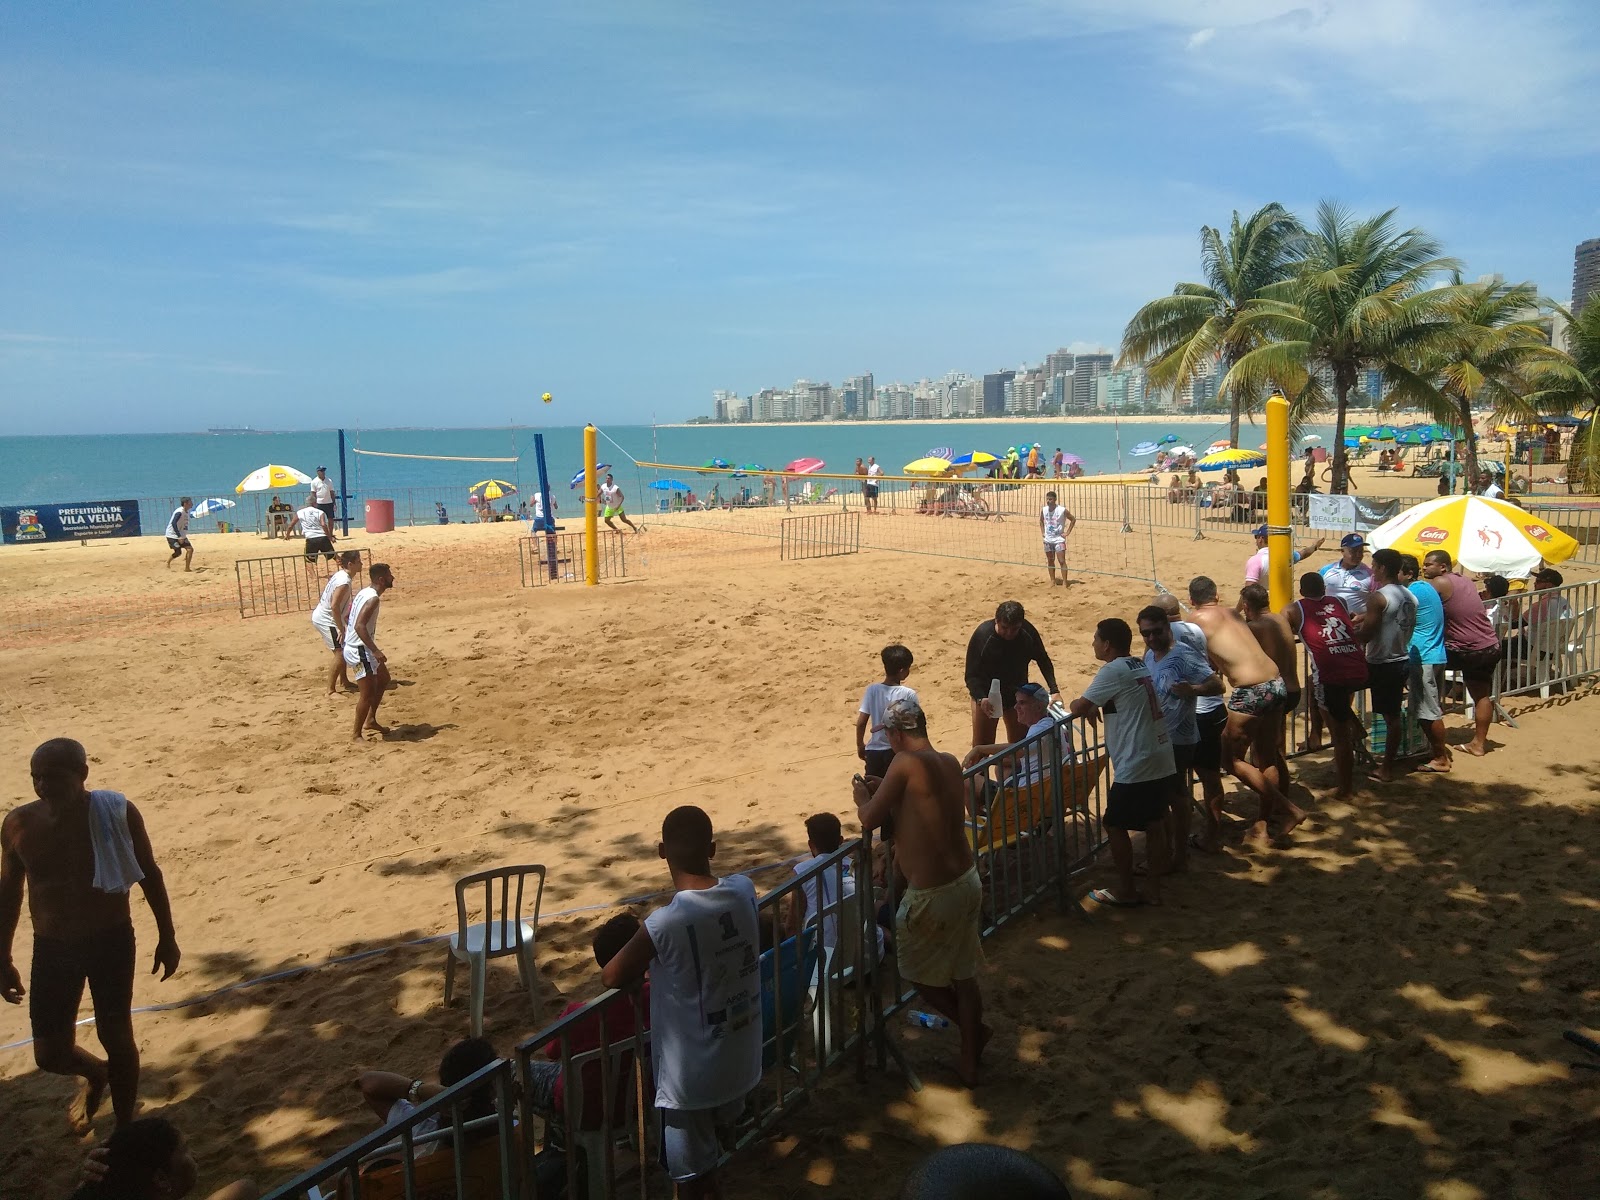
{"x": 1259, "y": 531}
{"x": 903, "y": 714}
{"x": 322, "y": 468}
{"x": 1351, "y": 540}
{"x": 1036, "y": 690}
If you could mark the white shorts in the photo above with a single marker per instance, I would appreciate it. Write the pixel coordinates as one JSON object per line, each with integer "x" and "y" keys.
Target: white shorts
{"x": 358, "y": 660}
{"x": 1056, "y": 547}
{"x": 328, "y": 638}
{"x": 690, "y": 1146}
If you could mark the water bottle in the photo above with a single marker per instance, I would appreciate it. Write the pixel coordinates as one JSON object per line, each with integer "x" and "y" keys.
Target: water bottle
{"x": 927, "y": 1020}
{"x": 996, "y": 703}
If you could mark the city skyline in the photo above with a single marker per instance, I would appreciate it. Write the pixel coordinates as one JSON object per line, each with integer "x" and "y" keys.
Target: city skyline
{"x": 212, "y": 214}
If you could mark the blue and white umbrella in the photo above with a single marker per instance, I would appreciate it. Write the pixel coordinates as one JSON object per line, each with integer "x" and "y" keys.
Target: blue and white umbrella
{"x": 214, "y": 505}
{"x": 577, "y": 479}
{"x": 944, "y": 452}
{"x": 670, "y": 485}
{"x": 1144, "y": 450}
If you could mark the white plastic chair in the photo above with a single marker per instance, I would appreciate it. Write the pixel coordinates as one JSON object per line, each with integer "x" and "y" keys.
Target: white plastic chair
{"x": 624, "y": 1114}
{"x": 507, "y": 928}
{"x": 1570, "y": 654}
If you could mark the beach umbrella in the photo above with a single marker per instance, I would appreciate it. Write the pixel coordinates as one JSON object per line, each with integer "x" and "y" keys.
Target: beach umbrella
{"x": 1481, "y": 534}
{"x": 1144, "y": 449}
{"x": 1224, "y": 459}
{"x": 714, "y": 464}
{"x": 1312, "y": 437}
{"x": 206, "y": 507}
{"x": 492, "y": 489}
{"x": 1413, "y": 437}
{"x": 1563, "y": 422}
{"x": 1358, "y": 431}
{"x": 928, "y": 465}
{"x": 940, "y": 452}
{"x": 1167, "y": 439}
{"x": 1071, "y": 459}
{"x": 1383, "y": 433}
{"x": 670, "y": 485}
{"x": 805, "y": 466}
{"x": 1179, "y": 451}
{"x": 748, "y": 469}
{"x": 1218, "y": 445}
{"x": 972, "y": 459}
{"x": 577, "y": 480}
{"x": 269, "y": 477}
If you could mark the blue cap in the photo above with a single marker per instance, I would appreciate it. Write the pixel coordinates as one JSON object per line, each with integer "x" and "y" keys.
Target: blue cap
{"x": 1350, "y": 540}
{"x": 1260, "y": 531}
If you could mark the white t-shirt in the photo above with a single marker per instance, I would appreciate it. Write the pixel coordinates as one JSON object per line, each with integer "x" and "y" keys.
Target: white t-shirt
{"x": 321, "y": 490}
{"x": 1350, "y": 584}
{"x": 322, "y": 615}
{"x": 1136, "y": 731}
{"x": 705, "y": 996}
{"x": 1055, "y": 523}
{"x": 313, "y": 522}
{"x": 823, "y": 888}
{"x": 353, "y": 645}
{"x": 875, "y": 470}
{"x": 1191, "y": 635}
{"x": 1179, "y": 665}
{"x": 1494, "y": 491}
{"x": 178, "y": 526}
{"x": 875, "y": 702}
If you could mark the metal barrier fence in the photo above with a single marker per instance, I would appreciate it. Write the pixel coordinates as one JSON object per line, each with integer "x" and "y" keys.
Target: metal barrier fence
{"x": 546, "y": 558}
{"x": 824, "y": 536}
{"x": 288, "y": 583}
{"x": 1581, "y": 521}
{"x": 1548, "y": 639}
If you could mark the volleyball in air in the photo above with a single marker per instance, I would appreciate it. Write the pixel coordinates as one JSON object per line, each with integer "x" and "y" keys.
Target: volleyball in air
{"x": 547, "y": 397}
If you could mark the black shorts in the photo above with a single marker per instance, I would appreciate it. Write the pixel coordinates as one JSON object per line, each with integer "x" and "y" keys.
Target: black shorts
{"x": 1291, "y": 701}
{"x": 178, "y": 544}
{"x": 869, "y": 490}
{"x": 1337, "y": 700}
{"x": 1183, "y": 756}
{"x": 1208, "y": 750}
{"x": 1476, "y": 666}
{"x": 319, "y": 545}
{"x": 61, "y": 966}
{"x": 1387, "y": 683}
{"x": 327, "y": 511}
{"x": 1138, "y": 805}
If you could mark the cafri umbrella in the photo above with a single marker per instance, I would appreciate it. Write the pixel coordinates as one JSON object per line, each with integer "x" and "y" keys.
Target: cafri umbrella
{"x": 271, "y": 477}
{"x": 1481, "y": 534}
{"x": 1222, "y": 460}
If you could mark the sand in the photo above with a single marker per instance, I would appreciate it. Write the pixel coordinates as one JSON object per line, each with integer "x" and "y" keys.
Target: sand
{"x": 1372, "y": 1010}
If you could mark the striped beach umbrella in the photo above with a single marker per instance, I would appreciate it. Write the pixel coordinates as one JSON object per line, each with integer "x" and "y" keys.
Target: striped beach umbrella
{"x": 1481, "y": 534}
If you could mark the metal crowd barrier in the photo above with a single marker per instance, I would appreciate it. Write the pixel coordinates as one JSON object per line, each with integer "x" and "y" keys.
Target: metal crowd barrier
{"x": 546, "y": 558}
{"x": 288, "y": 583}
{"x": 1548, "y": 639}
{"x": 823, "y": 536}
{"x": 1583, "y": 523}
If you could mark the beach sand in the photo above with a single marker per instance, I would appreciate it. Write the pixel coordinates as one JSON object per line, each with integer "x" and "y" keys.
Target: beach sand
{"x": 1373, "y": 1010}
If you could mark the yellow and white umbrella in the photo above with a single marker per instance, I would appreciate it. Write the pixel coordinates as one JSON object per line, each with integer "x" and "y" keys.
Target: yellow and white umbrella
{"x": 270, "y": 478}
{"x": 1481, "y": 534}
{"x": 1223, "y": 459}
{"x": 927, "y": 466}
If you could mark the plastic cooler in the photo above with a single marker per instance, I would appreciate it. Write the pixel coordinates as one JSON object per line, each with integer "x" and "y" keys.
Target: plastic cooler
{"x": 380, "y": 516}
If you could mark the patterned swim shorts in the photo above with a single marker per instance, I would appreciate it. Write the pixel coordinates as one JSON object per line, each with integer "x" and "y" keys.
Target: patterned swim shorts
{"x": 1256, "y": 699}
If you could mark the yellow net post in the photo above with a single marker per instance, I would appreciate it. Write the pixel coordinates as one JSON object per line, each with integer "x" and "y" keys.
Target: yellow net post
{"x": 1280, "y": 545}
{"x": 591, "y": 521}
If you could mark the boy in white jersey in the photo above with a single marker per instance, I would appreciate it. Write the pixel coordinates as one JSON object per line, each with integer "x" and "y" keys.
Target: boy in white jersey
{"x": 330, "y": 615}
{"x": 611, "y": 505}
{"x": 1055, "y": 523}
{"x": 361, "y": 649}
{"x": 178, "y": 534}
{"x": 701, "y": 951}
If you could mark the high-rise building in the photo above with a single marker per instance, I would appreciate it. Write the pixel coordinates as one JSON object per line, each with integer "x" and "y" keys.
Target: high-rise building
{"x": 722, "y": 405}
{"x": 994, "y": 392}
{"x": 1585, "y": 274}
{"x": 1059, "y": 363}
{"x": 1086, "y": 368}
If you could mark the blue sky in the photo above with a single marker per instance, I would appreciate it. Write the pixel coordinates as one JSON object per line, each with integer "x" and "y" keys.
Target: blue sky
{"x": 370, "y": 212}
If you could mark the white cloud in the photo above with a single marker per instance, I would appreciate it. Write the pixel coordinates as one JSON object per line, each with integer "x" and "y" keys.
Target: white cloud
{"x": 1200, "y": 37}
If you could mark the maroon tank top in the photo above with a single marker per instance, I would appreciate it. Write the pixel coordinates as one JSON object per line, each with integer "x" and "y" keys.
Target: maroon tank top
{"x": 1466, "y": 622}
{"x": 1326, "y": 630}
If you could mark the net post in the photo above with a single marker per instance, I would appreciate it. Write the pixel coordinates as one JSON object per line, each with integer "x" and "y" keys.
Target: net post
{"x": 591, "y": 519}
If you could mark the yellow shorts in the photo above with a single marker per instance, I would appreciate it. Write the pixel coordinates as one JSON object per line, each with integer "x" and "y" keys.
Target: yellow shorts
{"x": 936, "y": 931}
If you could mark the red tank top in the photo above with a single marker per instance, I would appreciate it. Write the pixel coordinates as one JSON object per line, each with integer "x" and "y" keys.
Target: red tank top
{"x": 1335, "y": 652}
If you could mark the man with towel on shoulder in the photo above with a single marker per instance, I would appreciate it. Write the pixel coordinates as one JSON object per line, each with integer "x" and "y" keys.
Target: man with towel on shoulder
{"x": 79, "y": 854}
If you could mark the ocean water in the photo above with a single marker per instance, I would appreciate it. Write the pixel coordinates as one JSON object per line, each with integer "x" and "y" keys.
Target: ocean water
{"x": 157, "y": 468}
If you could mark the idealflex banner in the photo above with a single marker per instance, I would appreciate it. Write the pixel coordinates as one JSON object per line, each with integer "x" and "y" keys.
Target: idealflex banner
{"x": 68, "y": 522}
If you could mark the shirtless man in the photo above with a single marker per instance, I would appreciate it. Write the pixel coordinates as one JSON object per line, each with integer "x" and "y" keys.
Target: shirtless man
{"x": 1258, "y": 695}
{"x": 936, "y": 927}
{"x": 82, "y": 927}
{"x": 361, "y": 649}
{"x": 1277, "y": 639}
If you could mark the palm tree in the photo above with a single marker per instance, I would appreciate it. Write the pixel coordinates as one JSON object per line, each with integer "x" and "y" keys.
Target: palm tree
{"x": 1577, "y": 391}
{"x": 1176, "y": 336}
{"x": 1489, "y": 350}
{"x": 1360, "y": 295}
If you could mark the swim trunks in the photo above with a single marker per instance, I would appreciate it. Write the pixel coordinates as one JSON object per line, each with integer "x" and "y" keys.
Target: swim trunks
{"x": 936, "y": 931}
{"x": 1258, "y": 699}
{"x": 613, "y": 511}
{"x": 61, "y": 966}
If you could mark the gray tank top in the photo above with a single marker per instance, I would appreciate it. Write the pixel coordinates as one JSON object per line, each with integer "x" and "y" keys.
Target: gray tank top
{"x": 1393, "y": 641}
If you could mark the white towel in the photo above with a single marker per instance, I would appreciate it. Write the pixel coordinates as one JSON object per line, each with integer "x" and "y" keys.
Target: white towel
{"x": 116, "y": 867}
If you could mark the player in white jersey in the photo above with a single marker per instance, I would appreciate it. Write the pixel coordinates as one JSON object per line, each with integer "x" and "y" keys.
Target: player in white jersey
{"x": 361, "y": 649}
{"x": 178, "y": 533}
{"x": 611, "y": 505}
{"x": 1055, "y": 524}
{"x": 329, "y": 618}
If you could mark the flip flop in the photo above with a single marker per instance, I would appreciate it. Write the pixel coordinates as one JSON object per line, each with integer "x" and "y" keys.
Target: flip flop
{"x": 1107, "y": 897}
{"x": 1428, "y": 768}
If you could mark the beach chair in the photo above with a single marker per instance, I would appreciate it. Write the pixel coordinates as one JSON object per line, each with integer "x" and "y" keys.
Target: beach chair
{"x": 590, "y": 1138}
{"x": 838, "y": 963}
{"x": 1569, "y": 652}
{"x": 786, "y": 971}
{"x": 507, "y": 928}
{"x": 1018, "y": 813}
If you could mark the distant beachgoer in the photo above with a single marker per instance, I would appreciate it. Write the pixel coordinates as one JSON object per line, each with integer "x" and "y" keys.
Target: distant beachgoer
{"x": 322, "y": 494}
{"x": 1142, "y": 765}
{"x": 1056, "y": 524}
{"x": 1258, "y": 693}
{"x": 1428, "y": 659}
{"x": 1471, "y": 643}
{"x": 937, "y": 925}
{"x": 869, "y": 490}
{"x": 1058, "y": 463}
{"x": 439, "y": 512}
{"x": 1385, "y": 628}
{"x": 611, "y": 505}
{"x": 975, "y": 1171}
{"x": 1272, "y": 631}
{"x": 77, "y": 853}
{"x": 148, "y": 1159}
{"x": 705, "y": 1001}
{"x": 1001, "y": 649}
{"x": 872, "y": 743}
{"x": 393, "y": 1097}
{"x": 1035, "y": 462}
{"x": 330, "y": 615}
{"x": 178, "y": 533}
{"x": 1338, "y": 670}
{"x": 361, "y": 649}
{"x": 318, "y": 532}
